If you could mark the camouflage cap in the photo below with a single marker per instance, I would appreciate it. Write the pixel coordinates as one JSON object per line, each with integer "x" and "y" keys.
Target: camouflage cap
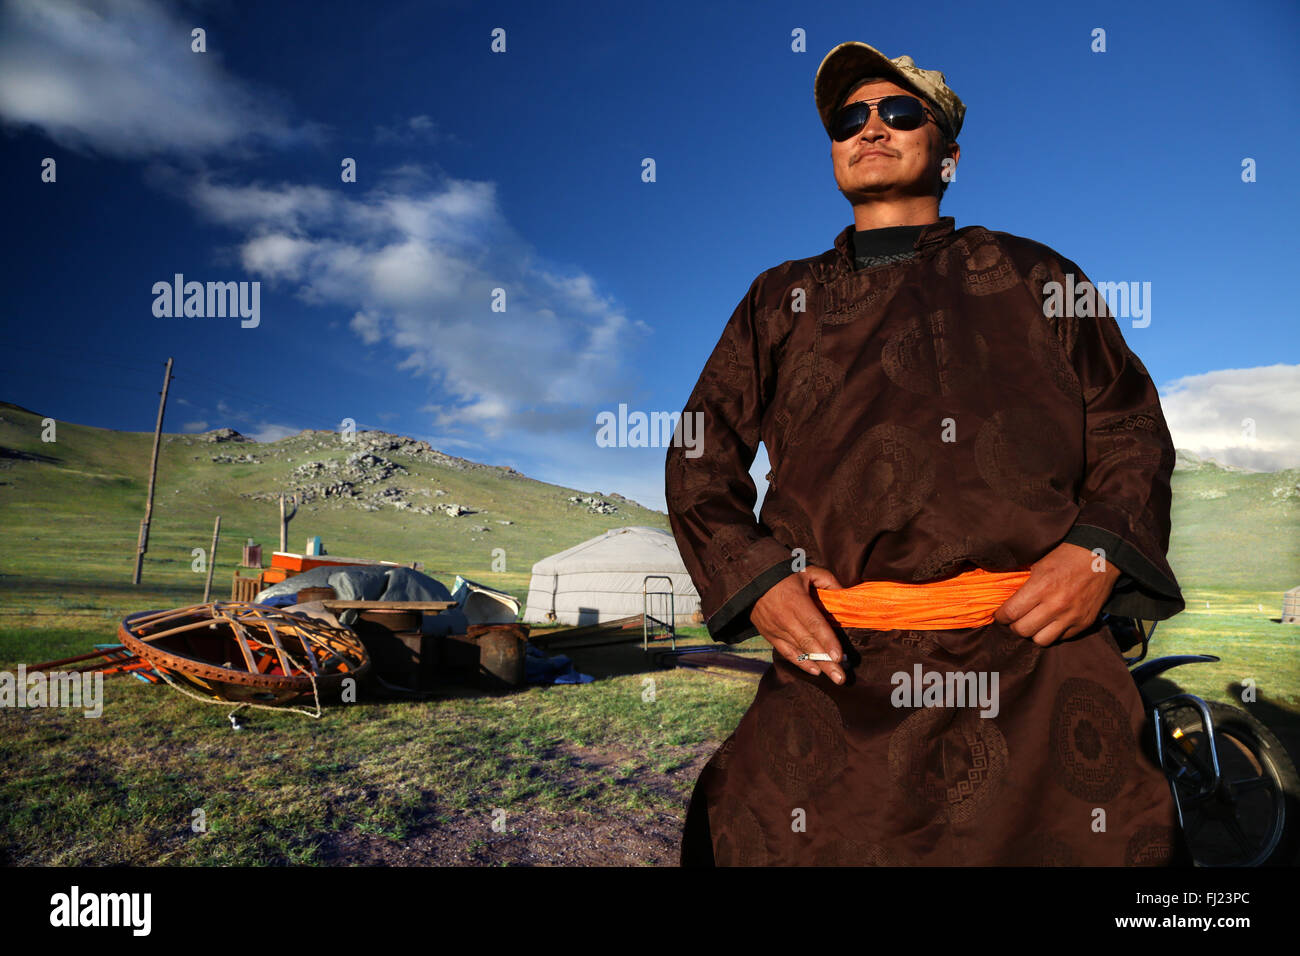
{"x": 852, "y": 61}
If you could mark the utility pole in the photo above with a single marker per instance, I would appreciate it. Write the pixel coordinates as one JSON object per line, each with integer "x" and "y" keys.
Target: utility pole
{"x": 212, "y": 559}
{"x": 285, "y": 519}
{"x": 142, "y": 543}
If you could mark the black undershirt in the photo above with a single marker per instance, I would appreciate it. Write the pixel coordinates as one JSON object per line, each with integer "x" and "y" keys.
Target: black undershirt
{"x": 874, "y": 247}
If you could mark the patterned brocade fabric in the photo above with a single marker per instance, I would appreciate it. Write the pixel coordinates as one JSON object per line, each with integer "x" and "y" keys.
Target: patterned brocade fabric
{"x": 822, "y": 775}
{"x": 923, "y": 417}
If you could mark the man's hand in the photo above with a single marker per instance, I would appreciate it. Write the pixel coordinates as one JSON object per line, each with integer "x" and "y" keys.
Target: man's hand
{"x": 791, "y": 621}
{"x": 1062, "y": 596}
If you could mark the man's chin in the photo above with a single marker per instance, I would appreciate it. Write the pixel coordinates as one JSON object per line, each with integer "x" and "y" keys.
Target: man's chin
{"x": 881, "y": 192}
{"x": 871, "y": 193}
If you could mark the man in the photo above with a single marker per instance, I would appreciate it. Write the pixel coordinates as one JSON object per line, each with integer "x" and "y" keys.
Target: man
{"x": 963, "y": 478}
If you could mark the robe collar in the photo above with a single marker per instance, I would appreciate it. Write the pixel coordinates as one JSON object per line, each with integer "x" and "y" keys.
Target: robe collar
{"x": 934, "y": 233}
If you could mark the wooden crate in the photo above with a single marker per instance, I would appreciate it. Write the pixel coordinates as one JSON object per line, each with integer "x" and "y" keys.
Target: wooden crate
{"x": 245, "y": 588}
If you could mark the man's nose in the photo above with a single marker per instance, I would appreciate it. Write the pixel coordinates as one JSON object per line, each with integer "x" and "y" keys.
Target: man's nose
{"x": 875, "y": 127}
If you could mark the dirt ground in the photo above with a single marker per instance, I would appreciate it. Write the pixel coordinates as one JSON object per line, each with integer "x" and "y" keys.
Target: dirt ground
{"x": 529, "y": 839}
{"x": 534, "y": 838}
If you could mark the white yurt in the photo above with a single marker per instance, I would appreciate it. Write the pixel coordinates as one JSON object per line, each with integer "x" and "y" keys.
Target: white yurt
{"x": 602, "y": 579}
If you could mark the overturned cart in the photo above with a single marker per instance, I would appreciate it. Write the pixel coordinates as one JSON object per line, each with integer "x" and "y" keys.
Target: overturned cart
{"x": 411, "y": 656}
{"x": 245, "y": 653}
{"x": 421, "y": 637}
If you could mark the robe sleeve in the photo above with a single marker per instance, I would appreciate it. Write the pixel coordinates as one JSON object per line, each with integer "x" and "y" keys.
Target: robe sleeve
{"x": 1124, "y": 500}
{"x": 731, "y": 557}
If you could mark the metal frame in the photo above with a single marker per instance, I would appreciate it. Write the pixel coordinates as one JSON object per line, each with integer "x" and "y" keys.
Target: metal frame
{"x": 311, "y": 655}
{"x": 669, "y": 626}
{"x": 1146, "y": 672}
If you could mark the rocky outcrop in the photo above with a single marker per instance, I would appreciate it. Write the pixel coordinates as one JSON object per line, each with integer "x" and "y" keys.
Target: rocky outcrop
{"x": 593, "y": 504}
{"x": 223, "y": 434}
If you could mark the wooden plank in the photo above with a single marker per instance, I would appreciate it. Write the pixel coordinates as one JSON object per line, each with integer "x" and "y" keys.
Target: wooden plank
{"x": 589, "y": 640}
{"x": 240, "y": 637}
{"x": 388, "y": 605}
{"x": 279, "y": 648}
{"x": 722, "y": 659}
{"x": 541, "y": 636}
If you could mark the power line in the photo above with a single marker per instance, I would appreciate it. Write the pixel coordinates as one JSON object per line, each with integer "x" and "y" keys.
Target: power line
{"x": 81, "y": 356}
{"x": 34, "y": 373}
{"x": 224, "y": 389}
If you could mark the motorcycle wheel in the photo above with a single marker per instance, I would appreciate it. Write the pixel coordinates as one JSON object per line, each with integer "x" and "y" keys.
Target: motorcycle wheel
{"x": 1253, "y": 817}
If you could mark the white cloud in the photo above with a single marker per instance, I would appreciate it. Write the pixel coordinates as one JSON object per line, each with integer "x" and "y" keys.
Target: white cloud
{"x": 195, "y": 426}
{"x": 275, "y": 256}
{"x": 411, "y": 274}
{"x": 119, "y": 77}
{"x": 267, "y": 431}
{"x": 418, "y": 264}
{"x": 442, "y": 442}
{"x": 291, "y": 208}
{"x": 416, "y": 129}
{"x": 1210, "y": 414}
{"x": 368, "y": 326}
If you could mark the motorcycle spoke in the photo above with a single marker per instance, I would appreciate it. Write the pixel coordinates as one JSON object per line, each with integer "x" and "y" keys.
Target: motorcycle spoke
{"x": 1197, "y": 796}
{"x": 1234, "y": 829}
{"x": 1247, "y": 784}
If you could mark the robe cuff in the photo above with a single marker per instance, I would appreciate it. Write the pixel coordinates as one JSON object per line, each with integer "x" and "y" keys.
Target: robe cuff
{"x": 1142, "y": 590}
{"x": 730, "y": 624}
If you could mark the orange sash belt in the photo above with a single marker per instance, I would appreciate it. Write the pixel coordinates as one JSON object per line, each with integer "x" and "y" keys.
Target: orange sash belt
{"x": 966, "y": 600}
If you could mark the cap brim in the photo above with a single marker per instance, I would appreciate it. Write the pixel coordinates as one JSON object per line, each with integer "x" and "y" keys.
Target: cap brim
{"x": 845, "y": 64}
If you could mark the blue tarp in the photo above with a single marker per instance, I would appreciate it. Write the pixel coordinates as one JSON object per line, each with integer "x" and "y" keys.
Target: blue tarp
{"x": 386, "y": 583}
{"x": 540, "y": 669}
{"x": 370, "y": 582}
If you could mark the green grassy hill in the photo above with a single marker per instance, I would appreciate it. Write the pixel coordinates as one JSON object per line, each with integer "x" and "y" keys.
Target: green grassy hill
{"x": 71, "y": 508}
{"x": 1233, "y": 528}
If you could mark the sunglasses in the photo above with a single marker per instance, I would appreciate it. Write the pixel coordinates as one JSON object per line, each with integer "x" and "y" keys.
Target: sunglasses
{"x": 896, "y": 112}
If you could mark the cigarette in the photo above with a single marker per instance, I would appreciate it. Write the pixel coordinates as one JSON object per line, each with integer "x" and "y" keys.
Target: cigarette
{"x": 814, "y": 657}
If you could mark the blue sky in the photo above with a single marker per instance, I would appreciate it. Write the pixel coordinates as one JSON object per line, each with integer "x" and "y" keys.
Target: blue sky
{"x": 522, "y": 170}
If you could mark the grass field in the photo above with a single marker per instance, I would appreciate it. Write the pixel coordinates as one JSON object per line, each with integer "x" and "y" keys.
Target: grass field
{"x": 290, "y": 789}
{"x": 595, "y": 773}
{"x": 366, "y": 783}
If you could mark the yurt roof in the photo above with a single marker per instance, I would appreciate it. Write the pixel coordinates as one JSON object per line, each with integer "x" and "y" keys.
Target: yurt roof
{"x": 631, "y": 548}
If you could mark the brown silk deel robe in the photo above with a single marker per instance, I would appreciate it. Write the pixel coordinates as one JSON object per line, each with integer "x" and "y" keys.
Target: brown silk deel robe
{"x": 924, "y": 418}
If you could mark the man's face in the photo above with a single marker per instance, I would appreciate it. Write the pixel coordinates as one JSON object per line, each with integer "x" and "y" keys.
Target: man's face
{"x": 879, "y": 163}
